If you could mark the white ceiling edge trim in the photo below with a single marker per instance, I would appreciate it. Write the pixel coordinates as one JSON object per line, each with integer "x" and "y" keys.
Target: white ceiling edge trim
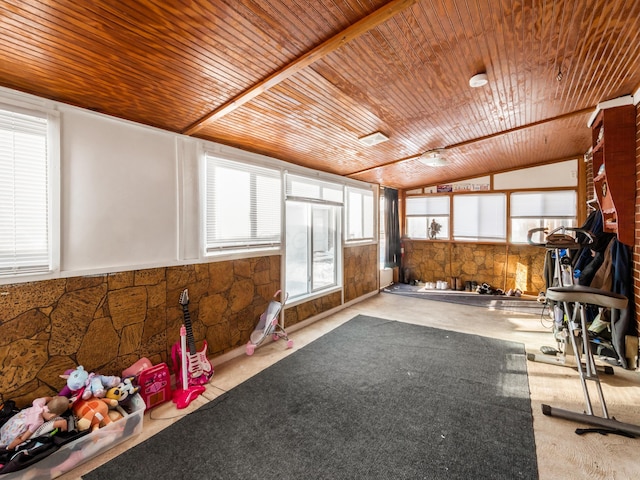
{"x": 636, "y": 97}
{"x": 614, "y": 102}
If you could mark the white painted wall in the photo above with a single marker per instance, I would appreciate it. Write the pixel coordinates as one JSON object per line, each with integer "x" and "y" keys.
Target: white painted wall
{"x": 119, "y": 193}
{"x": 553, "y": 175}
{"x": 561, "y": 174}
{"x": 130, "y": 195}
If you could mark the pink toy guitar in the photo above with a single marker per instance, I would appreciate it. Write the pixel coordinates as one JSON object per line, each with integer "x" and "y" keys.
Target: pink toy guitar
{"x": 183, "y": 396}
{"x": 199, "y": 368}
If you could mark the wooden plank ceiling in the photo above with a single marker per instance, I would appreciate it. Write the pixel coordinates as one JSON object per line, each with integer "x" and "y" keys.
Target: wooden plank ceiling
{"x": 302, "y": 80}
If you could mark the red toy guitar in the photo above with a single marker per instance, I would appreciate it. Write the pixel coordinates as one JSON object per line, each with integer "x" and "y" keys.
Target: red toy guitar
{"x": 199, "y": 368}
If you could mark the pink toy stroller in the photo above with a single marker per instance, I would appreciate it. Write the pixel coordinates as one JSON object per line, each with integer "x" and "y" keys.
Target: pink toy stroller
{"x": 269, "y": 324}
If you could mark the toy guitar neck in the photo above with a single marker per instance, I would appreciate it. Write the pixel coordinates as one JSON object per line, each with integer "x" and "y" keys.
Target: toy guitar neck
{"x": 187, "y": 323}
{"x": 199, "y": 368}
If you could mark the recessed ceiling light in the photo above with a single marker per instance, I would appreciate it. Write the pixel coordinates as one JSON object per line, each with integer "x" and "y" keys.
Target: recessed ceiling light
{"x": 434, "y": 158}
{"x": 479, "y": 80}
{"x": 373, "y": 139}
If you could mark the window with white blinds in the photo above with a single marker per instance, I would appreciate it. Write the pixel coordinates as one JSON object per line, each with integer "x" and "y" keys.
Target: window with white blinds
{"x": 428, "y": 217}
{"x": 556, "y": 204}
{"x": 243, "y": 206}
{"x": 25, "y": 228}
{"x": 480, "y": 217}
{"x": 547, "y": 209}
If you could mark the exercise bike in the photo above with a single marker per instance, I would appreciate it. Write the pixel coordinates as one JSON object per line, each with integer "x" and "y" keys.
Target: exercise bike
{"x": 560, "y": 245}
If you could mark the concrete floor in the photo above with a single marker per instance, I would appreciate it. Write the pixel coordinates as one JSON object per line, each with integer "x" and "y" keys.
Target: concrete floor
{"x": 562, "y": 454}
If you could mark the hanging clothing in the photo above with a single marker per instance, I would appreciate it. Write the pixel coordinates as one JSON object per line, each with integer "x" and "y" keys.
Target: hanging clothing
{"x": 623, "y": 321}
{"x": 603, "y": 269}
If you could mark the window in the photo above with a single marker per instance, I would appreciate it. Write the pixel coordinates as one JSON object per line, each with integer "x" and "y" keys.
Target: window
{"x": 243, "y": 206}
{"x": 428, "y": 217}
{"x": 359, "y": 214}
{"x": 313, "y": 249}
{"x": 550, "y": 209}
{"x": 480, "y": 217}
{"x": 28, "y": 179}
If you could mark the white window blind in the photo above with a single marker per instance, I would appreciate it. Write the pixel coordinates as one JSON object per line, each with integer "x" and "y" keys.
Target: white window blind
{"x": 480, "y": 217}
{"x": 436, "y": 205}
{"x": 360, "y": 214}
{"x": 544, "y": 204}
{"x": 25, "y": 244}
{"x": 243, "y": 208}
{"x": 548, "y": 209}
{"x": 428, "y": 217}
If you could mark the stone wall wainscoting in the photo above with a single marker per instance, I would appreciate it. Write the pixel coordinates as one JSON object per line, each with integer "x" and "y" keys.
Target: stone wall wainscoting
{"x": 501, "y": 266}
{"x": 361, "y": 271}
{"x": 107, "y": 322}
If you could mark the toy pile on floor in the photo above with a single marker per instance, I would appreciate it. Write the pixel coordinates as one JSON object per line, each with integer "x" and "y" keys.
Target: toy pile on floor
{"x": 87, "y": 402}
{"x": 90, "y": 401}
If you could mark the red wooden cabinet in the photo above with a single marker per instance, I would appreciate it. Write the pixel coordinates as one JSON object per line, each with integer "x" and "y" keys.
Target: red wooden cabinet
{"x": 613, "y": 136}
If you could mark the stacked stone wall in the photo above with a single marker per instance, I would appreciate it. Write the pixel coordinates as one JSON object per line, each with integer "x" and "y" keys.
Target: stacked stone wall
{"x": 107, "y": 322}
{"x": 501, "y": 266}
{"x": 361, "y": 271}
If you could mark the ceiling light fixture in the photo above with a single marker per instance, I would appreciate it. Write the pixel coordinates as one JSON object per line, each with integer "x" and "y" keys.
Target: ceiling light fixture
{"x": 373, "y": 139}
{"x": 434, "y": 158}
{"x": 479, "y": 80}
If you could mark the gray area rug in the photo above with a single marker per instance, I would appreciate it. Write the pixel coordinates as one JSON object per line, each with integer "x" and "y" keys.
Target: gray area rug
{"x": 373, "y": 399}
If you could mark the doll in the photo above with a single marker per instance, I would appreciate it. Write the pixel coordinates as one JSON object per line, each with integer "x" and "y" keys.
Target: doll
{"x": 21, "y": 426}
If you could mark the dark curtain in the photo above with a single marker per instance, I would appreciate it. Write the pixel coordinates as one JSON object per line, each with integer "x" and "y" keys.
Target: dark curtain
{"x": 391, "y": 229}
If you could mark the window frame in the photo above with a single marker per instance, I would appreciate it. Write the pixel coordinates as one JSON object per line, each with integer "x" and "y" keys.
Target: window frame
{"x": 541, "y": 220}
{"x": 429, "y": 215}
{"x": 327, "y": 195}
{"x": 51, "y": 183}
{"x": 508, "y": 215}
{"x": 253, "y": 243}
{"x": 480, "y": 238}
{"x": 364, "y": 193}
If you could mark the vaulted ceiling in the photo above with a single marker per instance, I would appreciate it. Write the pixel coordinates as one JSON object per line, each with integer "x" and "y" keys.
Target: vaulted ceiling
{"x": 303, "y": 80}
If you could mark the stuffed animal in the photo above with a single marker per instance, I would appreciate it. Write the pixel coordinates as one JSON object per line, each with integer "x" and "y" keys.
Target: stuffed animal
{"x": 80, "y": 383}
{"x": 93, "y": 413}
{"x": 123, "y": 390}
{"x": 115, "y": 415}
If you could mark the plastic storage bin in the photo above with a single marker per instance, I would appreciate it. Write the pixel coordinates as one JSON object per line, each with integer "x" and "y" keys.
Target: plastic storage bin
{"x": 86, "y": 447}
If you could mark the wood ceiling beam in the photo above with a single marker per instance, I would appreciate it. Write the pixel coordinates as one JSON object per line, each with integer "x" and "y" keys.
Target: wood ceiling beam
{"x": 480, "y": 139}
{"x": 350, "y": 33}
